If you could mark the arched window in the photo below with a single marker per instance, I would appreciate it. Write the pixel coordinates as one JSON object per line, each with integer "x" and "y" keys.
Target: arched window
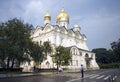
{"x": 80, "y": 53}
{"x": 48, "y": 64}
{"x": 86, "y": 56}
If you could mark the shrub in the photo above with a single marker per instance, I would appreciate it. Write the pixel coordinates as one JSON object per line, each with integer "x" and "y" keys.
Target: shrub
{"x": 11, "y": 69}
{"x": 111, "y": 65}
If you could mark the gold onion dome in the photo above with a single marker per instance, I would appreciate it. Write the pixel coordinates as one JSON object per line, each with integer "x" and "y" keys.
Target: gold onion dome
{"x": 47, "y": 16}
{"x": 62, "y": 14}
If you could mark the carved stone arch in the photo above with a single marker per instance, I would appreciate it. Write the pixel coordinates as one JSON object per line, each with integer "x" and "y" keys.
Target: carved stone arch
{"x": 74, "y": 51}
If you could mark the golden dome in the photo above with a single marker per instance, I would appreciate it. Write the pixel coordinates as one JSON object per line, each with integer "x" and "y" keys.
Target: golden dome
{"x": 47, "y": 16}
{"x": 62, "y": 14}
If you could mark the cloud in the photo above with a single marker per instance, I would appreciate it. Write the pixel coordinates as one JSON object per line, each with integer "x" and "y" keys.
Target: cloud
{"x": 99, "y": 20}
{"x": 35, "y": 10}
{"x": 101, "y": 28}
{"x": 32, "y": 11}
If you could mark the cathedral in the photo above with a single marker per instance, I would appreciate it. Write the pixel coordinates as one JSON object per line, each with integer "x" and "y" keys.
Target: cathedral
{"x": 61, "y": 34}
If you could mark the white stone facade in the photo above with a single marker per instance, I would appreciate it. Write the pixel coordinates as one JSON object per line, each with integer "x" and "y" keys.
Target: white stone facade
{"x": 60, "y": 34}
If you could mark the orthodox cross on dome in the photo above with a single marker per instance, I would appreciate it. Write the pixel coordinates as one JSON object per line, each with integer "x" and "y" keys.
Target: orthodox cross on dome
{"x": 62, "y": 9}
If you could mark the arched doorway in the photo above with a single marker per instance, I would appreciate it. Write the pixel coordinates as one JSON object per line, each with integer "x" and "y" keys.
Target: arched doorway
{"x": 48, "y": 64}
{"x": 87, "y": 59}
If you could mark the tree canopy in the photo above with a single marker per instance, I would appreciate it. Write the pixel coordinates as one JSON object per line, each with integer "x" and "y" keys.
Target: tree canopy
{"x": 47, "y": 49}
{"x": 62, "y": 56}
{"x": 16, "y": 45}
{"x": 116, "y": 49}
{"x": 103, "y": 55}
{"x": 14, "y": 39}
{"x": 108, "y": 56}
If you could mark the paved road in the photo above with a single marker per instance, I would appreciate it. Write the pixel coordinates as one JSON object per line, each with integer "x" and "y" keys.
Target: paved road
{"x": 90, "y": 76}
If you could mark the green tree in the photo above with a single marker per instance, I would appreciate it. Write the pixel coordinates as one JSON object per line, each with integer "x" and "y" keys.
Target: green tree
{"x": 16, "y": 38}
{"x": 112, "y": 58}
{"x": 47, "y": 49}
{"x": 103, "y": 55}
{"x": 116, "y": 48}
{"x": 36, "y": 52}
{"x": 3, "y": 45}
{"x": 62, "y": 56}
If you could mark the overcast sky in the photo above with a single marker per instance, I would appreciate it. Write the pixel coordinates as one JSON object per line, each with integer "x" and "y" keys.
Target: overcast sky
{"x": 99, "y": 19}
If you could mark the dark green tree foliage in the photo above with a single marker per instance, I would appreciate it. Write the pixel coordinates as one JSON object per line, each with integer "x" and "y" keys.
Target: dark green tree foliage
{"x": 3, "y": 45}
{"x": 66, "y": 57}
{"x": 47, "y": 49}
{"x": 36, "y": 52}
{"x": 116, "y": 48}
{"x": 62, "y": 56}
{"x": 112, "y": 57}
{"x": 14, "y": 39}
{"x": 103, "y": 55}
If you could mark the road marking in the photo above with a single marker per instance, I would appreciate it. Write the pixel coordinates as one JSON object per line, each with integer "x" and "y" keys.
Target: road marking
{"x": 107, "y": 77}
{"x": 88, "y": 76}
{"x": 80, "y": 78}
{"x": 100, "y": 77}
{"x": 74, "y": 80}
{"x": 94, "y": 76}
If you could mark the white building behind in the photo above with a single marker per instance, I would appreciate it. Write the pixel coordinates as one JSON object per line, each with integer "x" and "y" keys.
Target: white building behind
{"x": 60, "y": 34}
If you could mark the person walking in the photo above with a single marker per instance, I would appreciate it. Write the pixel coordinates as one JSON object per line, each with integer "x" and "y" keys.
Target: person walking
{"x": 82, "y": 71}
{"x": 34, "y": 68}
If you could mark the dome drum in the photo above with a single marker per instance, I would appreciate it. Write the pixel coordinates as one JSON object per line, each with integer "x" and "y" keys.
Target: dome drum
{"x": 64, "y": 20}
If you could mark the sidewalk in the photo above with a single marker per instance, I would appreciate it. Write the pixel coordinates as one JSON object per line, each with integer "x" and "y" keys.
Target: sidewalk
{"x": 22, "y": 75}
{"x": 34, "y": 74}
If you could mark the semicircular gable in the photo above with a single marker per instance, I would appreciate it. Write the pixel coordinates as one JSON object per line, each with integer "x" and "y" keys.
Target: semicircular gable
{"x": 74, "y": 50}
{"x": 48, "y": 27}
{"x": 78, "y": 35}
{"x": 38, "y": 28}
{"x": 56, "y": 28}
{"x": 71, "y": 33}
{"x": 63, "y": 29}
